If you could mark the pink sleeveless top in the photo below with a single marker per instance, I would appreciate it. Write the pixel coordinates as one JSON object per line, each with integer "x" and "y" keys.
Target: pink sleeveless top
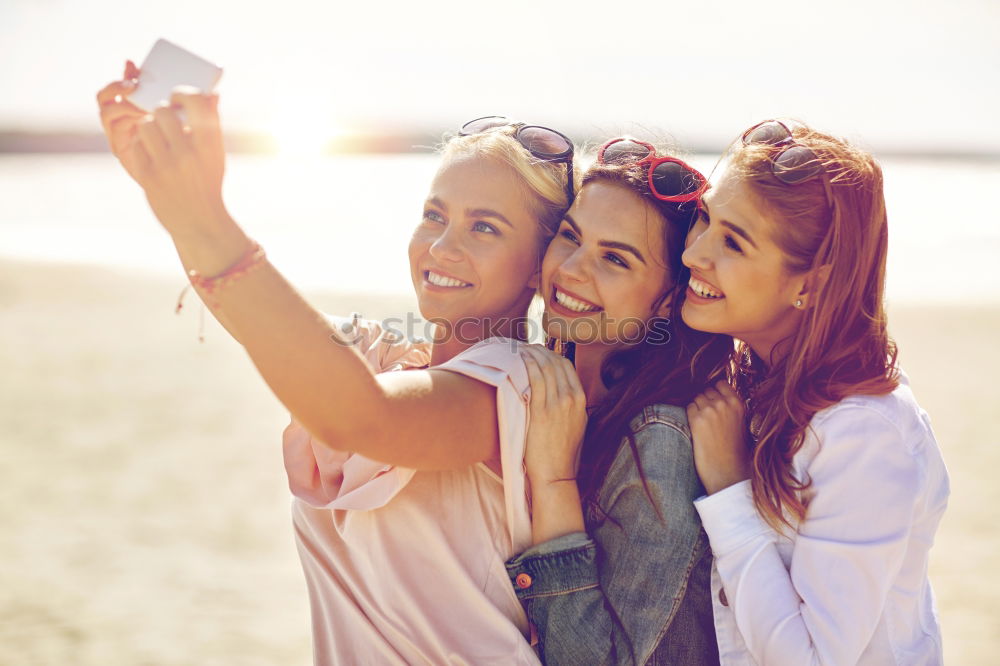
{"x": 406, "y": 566}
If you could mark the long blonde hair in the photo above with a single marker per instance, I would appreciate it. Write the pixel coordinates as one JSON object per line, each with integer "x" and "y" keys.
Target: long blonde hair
{"x": 842, "y": 346}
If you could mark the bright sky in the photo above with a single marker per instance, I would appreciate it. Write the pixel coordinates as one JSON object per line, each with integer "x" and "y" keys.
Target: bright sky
{"x": 891, "y": 73}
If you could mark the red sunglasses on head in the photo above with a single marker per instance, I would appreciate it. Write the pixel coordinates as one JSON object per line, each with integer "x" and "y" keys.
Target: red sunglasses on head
{"x": 669, "y": 179}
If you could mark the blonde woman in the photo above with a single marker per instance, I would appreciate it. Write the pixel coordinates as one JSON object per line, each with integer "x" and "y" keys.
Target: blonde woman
{"x": 404, "y": 557}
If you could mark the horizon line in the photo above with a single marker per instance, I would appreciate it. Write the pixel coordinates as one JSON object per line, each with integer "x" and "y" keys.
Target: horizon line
{"x": 261, "y": 143}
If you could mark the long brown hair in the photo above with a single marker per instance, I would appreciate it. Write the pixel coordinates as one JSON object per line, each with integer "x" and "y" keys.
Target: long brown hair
{"x": 842, "y": 346}
{"x": 673, "y": 362}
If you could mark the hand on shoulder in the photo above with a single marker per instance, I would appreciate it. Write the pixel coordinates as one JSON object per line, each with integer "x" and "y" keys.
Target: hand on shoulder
{"x": 557, "y": 416}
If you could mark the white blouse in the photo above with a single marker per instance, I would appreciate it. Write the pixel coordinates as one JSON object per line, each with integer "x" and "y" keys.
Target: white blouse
{"x": 849, "y": 585}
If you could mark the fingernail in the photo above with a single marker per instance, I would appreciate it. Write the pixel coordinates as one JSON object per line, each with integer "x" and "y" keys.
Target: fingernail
{"x": 128, "y": 84}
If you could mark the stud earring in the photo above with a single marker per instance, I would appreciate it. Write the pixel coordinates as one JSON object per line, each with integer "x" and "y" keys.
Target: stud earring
{"x": 798, "y": 303}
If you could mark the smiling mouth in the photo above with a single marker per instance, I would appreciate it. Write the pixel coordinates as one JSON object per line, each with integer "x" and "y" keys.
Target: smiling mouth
{"x": 704, "y": 289}
{"x": 439, "y": 280}
{"x": 573, "y": 304}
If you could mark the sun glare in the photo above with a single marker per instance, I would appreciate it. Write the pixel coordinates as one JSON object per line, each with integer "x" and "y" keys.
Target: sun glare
{"x": 299, "y": 135}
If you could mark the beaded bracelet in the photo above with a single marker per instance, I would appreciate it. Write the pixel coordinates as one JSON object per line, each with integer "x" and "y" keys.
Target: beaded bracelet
{"x": 251, "y": 259}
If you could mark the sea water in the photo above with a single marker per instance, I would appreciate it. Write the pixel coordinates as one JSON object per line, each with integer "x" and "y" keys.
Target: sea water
{"x": 343, "y": 222}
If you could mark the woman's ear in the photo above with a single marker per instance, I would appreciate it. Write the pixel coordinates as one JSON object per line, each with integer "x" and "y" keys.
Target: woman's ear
{"x": 812, "y": 284}
{"x": 535, "y": 281}
{"x": 663, "y": 309}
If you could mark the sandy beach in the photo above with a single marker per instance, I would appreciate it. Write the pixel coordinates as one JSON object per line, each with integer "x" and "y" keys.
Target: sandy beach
{"x": 144, "y": 514}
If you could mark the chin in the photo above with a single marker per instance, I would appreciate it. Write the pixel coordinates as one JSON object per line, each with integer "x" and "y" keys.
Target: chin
{"x": 428, "y": 313}
{"x": 582, "y": 331}
{"x": 433, "y": 309}
{"x": 555, "y": 327}
{"x": 691, "y": 317}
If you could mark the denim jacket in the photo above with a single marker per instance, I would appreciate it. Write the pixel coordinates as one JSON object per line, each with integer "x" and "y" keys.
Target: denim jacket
{"x": 635, "y": 589}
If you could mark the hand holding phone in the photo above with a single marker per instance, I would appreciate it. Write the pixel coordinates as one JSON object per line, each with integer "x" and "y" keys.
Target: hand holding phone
{"x": 168, "y": 66}
{"x": 179, "y": 168}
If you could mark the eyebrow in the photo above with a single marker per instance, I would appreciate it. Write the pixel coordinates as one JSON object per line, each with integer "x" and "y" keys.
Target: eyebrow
{"x": 486, "y": 212}
{"x": 735, "y": 228}
{"x": 625, "y": 247}
{"x": 473, "y": 212}
{"x": 739, "y": 231}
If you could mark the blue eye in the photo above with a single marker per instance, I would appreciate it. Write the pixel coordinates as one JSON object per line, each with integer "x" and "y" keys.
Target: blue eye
{"x": 433, "y": 216}
{"x": 484, "y": 227}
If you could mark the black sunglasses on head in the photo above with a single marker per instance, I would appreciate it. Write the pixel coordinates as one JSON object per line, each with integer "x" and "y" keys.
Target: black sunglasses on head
{"x": 544, "y": 143}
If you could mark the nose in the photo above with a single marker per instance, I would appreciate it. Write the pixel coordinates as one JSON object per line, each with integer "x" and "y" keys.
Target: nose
{"x": 696, "y": 253}
{"x": 573, "y": 268}
{"x": 448, "y": 247}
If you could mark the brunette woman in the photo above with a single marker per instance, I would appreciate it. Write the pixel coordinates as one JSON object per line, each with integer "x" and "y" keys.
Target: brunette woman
{"x": 619, "y": 569}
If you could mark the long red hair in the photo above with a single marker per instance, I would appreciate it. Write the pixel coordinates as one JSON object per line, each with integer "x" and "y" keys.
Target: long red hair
{"x": 842, "y": 346}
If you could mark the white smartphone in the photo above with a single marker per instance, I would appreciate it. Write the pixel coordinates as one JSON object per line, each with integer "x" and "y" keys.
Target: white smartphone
{"x": 168, "y": 66}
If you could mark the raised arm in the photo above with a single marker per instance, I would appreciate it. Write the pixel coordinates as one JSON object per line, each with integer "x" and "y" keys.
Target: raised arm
{"x": 419, "y": 419}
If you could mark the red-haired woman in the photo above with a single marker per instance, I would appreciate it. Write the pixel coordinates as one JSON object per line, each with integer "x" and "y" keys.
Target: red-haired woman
{"x": 825, "y": 485}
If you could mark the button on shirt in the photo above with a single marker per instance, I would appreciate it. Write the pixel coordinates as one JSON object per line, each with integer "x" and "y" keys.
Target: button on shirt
{"x": 634, "y": 588}
{"x": 849, "y": 585}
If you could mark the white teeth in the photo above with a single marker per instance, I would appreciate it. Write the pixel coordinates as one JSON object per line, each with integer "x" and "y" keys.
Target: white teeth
{"x": 573, "y": 304}
{"x": 442, "y": 281}
{"x": 703, "y": 289}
